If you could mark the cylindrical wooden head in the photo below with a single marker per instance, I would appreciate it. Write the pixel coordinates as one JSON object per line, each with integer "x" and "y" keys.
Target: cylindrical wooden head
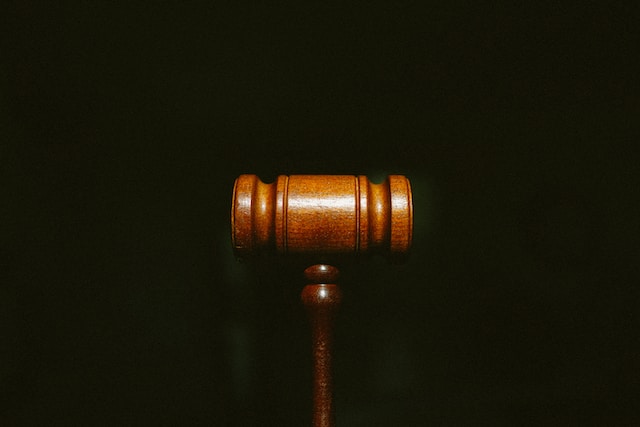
{"x": 322, "y": 215}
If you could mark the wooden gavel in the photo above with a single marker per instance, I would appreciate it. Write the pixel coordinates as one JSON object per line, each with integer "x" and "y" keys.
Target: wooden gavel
{"x": 322, "y": 218}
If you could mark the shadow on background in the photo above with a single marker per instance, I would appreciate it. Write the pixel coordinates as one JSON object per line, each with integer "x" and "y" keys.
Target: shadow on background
{"x": 123, "y": 128}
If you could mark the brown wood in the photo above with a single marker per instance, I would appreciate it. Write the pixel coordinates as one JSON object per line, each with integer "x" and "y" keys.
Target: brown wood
{"x": 320, "y": 218}
{"x": 322, "y": 298}
{"x": 322, "y": 214}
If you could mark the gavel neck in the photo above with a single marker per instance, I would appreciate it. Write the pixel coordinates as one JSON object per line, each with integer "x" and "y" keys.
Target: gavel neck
{"x": 322, "y": 301}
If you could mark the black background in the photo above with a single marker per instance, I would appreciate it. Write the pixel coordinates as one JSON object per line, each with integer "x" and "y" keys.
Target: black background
{"x": 123, "y": 127}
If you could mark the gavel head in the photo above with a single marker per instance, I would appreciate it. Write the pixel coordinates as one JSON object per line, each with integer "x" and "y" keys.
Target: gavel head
{"x": 322, "y": 216}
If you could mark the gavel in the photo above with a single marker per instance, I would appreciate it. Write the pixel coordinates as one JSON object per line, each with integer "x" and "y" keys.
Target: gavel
{"x": 322, "y": 219}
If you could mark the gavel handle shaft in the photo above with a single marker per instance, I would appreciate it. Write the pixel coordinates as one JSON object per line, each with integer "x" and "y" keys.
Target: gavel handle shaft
{"x": 322, "y": 301}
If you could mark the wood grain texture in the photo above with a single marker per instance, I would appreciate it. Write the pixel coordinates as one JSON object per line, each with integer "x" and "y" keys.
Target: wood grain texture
{"x": 322, "y": 214}
{"x": 322, "y": 217}
{"x": 322, "y": 298}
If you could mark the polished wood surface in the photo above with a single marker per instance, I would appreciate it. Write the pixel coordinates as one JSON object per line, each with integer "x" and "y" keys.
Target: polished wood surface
{"x": 321, "y": 218}
{"x": 322, "y": 214}
{"x": 322, "y": 298}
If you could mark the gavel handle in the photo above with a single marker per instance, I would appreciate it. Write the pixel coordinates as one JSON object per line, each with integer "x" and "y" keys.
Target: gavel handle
{"x": 322, "y": 301}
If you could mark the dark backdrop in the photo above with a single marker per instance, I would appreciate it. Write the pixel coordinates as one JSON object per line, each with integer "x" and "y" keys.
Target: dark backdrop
{"x": 123, "y": 126}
